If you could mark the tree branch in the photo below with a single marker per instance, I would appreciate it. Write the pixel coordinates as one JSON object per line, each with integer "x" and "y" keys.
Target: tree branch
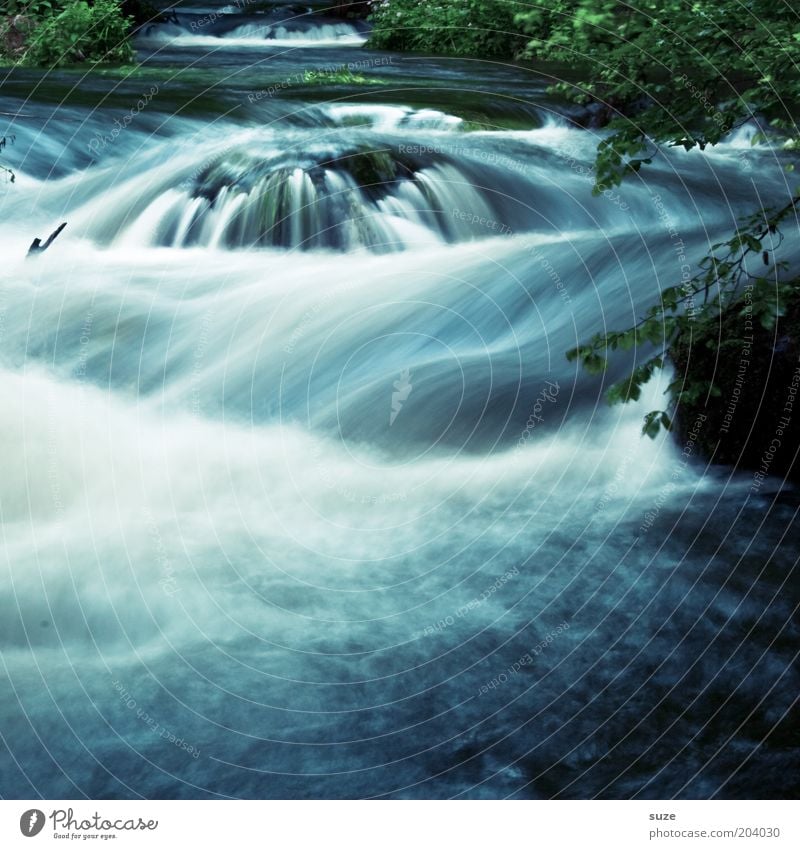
{"x": 37, "y": 247}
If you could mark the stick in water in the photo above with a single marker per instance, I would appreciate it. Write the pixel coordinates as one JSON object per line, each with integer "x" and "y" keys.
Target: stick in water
{"x": 37, "y": 247}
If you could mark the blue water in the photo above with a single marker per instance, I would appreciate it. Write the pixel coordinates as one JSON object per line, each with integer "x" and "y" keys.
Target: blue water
{"x": 300, "y": 496}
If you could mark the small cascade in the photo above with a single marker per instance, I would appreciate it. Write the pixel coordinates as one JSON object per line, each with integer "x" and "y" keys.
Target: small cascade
{"x": 338, "y": 33}
{"x": 333, "y": 199}
{"x": 238, "y": 27}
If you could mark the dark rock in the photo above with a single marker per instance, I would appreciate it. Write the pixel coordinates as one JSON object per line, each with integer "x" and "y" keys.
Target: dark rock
{"x": 754, "y": 423}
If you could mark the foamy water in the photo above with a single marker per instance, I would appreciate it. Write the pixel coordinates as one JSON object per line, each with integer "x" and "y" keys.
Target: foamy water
{"x": 294, "y": 461}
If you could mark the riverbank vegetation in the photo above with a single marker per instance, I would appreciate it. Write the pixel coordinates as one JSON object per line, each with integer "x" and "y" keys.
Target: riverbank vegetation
{"x": 51, "y": 33}
{"x": 653, "y": 75}
{"x": 466, "y": 28}
{"x": 662, "y": 77}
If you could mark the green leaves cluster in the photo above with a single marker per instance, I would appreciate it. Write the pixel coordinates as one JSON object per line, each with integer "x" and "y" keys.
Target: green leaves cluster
{"x": 732, "y": 277}
{"x": 682, "y": 73}
{"x": 34, "y": 8}
{"x": 675, "y": 72}
{"x": 81, "y": 33}
{"x": 483, "y": 28}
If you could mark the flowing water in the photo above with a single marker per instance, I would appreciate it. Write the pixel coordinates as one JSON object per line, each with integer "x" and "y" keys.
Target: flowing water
{"x": 300, "y": 496}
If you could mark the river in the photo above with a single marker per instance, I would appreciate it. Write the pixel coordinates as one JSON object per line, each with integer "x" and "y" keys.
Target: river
{"x": 300, "y": 495}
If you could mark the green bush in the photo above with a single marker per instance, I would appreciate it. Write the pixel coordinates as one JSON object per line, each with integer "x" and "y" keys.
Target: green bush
{"x": 667, "y": 73}
{"x": 461, "y": 27}
{"x": 81, "y": 33}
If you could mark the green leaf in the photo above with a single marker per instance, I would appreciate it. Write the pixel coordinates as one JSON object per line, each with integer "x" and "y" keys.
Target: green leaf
{"x": 627, "y": 340}
{"x": 594, "y": 363}
{"x": 652, "y": 424}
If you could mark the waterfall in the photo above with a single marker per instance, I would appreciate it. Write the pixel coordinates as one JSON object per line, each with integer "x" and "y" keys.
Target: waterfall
{"x": 293, "y": 457}
{"x": 240, "y": 28}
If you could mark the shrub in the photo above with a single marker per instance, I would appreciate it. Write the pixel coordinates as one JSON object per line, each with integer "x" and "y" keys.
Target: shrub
{"x": 461, "y": 27}
{"x": 683, "y": 76}
{"x": 81, "y": 33}
{"x": 32, "y": 8}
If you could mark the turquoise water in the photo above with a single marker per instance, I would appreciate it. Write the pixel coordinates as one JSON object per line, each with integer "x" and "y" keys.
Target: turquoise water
{"x": 301, "y": 497}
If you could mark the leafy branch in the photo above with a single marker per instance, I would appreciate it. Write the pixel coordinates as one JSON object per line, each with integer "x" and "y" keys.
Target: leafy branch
{"x": 677, "y": 315}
